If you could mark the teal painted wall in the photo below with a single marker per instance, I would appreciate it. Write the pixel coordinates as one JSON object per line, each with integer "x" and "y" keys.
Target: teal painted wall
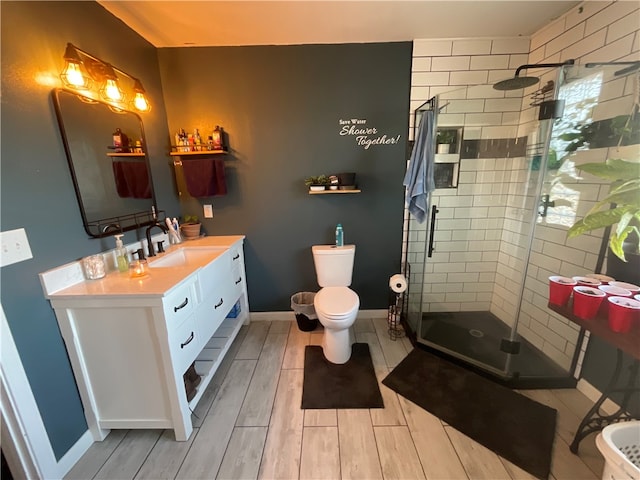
{"x": 282, "y": 107}
{"x": 282, "y": 111}
{"x": 36, "y": 188}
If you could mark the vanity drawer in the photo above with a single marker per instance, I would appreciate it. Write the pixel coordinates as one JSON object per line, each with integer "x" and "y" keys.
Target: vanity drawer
{"x": 212, "y": 277}
{"x": 237, "y": 283}
{"x": 237, "y": 260}
{"x": 212, "y": 311}
{"x": 184, "y": 344}
{"x": 179, "y": 304}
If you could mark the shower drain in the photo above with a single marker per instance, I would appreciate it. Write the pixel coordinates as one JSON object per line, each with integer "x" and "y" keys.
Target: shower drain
{"x": 476, "y": 333}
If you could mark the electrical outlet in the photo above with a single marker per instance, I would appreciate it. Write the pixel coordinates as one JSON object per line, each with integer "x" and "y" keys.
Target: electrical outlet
{"x": 208, "y": 211}
{"x": 15, "y": 247}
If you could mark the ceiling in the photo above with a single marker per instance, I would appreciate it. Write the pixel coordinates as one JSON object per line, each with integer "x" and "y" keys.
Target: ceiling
{"x": 239, "y": 22}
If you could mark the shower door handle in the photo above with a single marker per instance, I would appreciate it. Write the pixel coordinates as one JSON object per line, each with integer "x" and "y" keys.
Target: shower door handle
{"x": 434, "y": 210}
{"x": 545, "y": 204}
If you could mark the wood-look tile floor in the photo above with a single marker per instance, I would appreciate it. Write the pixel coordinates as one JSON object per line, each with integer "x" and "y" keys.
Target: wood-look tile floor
{"x": 249, "y": 425}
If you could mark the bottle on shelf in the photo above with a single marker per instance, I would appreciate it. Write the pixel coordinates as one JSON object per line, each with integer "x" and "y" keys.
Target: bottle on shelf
{"x": 120, "y": 141}
{"x": 339, "y": 236}
{"x": 218, "y": 143}
{"x": 197, "y": 139}
{"x": 184, "y": 140}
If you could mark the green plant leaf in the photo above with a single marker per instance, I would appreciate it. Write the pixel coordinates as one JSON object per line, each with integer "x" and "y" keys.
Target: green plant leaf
{"x": 596, "y": 220}
{"x": 623, "y": 223}
{"x": 613, "y": 169}
{"x": 617, "y": 240}
{"x": 569, "y": 136}
{"x": 627, "y": 196}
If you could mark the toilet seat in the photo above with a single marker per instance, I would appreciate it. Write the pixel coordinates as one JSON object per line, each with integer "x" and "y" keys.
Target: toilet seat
{"x": 336, "y": 303}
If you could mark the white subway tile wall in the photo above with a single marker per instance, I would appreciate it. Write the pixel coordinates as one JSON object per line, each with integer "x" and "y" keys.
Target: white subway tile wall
{"x": 481, "y": 241}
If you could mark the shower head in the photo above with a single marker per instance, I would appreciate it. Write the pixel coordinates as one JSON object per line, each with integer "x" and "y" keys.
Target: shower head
{"x": 518, "y": 82}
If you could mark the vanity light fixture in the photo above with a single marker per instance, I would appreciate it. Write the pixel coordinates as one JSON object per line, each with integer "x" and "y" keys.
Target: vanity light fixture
{"x": 140, "y": 100}
{"x": 111, "y": 89}
{"x": 74, "y": 74}
{"x": 99, "y": 79}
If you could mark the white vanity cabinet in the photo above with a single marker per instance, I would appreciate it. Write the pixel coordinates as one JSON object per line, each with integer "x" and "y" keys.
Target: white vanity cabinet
{"x": 131, "y": 341}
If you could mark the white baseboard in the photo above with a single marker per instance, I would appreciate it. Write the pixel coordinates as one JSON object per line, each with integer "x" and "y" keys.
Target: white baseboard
{"x": 593, "y": 394}
{"x": 381, "y": 313}
{"x": 74, "y": 454}
{"x": 272, "y": 316}
{"x": 290, "y": 316}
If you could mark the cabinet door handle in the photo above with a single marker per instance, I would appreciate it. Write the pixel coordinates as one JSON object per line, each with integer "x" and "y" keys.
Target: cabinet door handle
{"x": 189, "y": 340}
{"x": 218, "y": 304}
{"x": 238, "y": 280}
{"x": 182, "y": 305}
{"x": 236, "y": 257}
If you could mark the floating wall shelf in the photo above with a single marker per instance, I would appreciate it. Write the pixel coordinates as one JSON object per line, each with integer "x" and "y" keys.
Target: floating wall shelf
{"x": 330, "y": 192}
{"x": 198, "y": 152}
{"x": 139, "y": 155}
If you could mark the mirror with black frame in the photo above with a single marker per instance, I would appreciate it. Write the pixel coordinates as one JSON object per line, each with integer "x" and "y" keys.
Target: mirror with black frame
{"x": 106, "y": 150}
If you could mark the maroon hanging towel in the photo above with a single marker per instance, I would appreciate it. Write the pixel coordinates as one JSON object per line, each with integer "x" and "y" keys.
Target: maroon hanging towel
{"x": 132, "y": 179}
{"x": 204, "y": 177}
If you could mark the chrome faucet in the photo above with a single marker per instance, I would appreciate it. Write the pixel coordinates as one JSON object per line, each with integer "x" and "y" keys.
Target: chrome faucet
{"x": 152, "y": 253}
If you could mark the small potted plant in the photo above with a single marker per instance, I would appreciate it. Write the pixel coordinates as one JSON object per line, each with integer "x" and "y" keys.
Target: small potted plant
{"x": 317, "y": 183}
{"x": 190, "y": 227}
{"x": 444, "y": 139}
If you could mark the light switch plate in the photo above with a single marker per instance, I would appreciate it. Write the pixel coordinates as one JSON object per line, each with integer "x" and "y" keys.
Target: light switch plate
{"x": 15, "y": 247}
{"x": 208, "y": 211}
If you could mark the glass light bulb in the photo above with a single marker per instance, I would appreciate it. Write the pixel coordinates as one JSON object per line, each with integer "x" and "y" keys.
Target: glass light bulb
{"x": 140, "y": 102}
{"x": 112, "y": 91}
{"x": 73, "y": 75}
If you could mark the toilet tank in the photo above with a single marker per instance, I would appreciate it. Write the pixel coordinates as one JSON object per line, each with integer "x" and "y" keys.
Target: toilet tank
{"x": 334, "y": 265}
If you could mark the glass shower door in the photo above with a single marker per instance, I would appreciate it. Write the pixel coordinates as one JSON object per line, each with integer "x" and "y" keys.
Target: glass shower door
{"x": 464, "y": 300}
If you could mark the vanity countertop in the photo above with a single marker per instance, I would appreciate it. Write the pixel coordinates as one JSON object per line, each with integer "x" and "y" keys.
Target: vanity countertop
{"x": 157, "y": 283}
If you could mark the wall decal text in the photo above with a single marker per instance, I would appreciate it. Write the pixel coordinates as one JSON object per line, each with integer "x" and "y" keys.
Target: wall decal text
{"x": 365, "y": 135}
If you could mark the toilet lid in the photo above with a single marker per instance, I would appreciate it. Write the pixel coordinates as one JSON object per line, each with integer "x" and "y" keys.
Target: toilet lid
{"x": 336, "y": 301}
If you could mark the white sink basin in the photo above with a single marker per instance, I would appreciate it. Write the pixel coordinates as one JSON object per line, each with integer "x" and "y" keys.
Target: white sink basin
{"x": 186, "y": 256}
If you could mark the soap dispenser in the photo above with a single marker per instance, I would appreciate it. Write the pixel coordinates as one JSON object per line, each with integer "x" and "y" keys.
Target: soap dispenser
{"x": 122, "y": 256}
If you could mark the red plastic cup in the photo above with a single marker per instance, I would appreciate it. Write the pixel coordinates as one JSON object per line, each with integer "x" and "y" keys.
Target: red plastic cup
{"x": 624, "y": 312}
{"x": 627, "y": 286}
{"x": 612, "y": 291}
{"x": 560, "y": 289}
{"x": 588, "y": 281}
{"x": 604, "y": 279}
{"x": 586, "y": 301}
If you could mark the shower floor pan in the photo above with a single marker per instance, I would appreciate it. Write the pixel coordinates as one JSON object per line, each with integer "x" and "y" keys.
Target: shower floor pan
{"x": 474, "y": 339}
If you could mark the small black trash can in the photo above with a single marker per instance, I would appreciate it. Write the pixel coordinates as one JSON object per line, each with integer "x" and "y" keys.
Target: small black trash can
{"x": 302, "y": 305}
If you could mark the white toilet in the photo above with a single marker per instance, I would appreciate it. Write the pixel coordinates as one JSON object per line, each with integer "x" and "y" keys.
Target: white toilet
{"x": 336, "y": 304}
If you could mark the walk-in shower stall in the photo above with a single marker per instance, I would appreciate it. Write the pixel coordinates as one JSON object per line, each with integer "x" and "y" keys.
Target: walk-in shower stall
{"x": 507, "y": 190}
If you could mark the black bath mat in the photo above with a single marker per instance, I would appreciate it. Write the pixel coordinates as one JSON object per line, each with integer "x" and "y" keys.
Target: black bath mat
{"x": 508, "y": 423}
{"x": 350, "y": 385}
